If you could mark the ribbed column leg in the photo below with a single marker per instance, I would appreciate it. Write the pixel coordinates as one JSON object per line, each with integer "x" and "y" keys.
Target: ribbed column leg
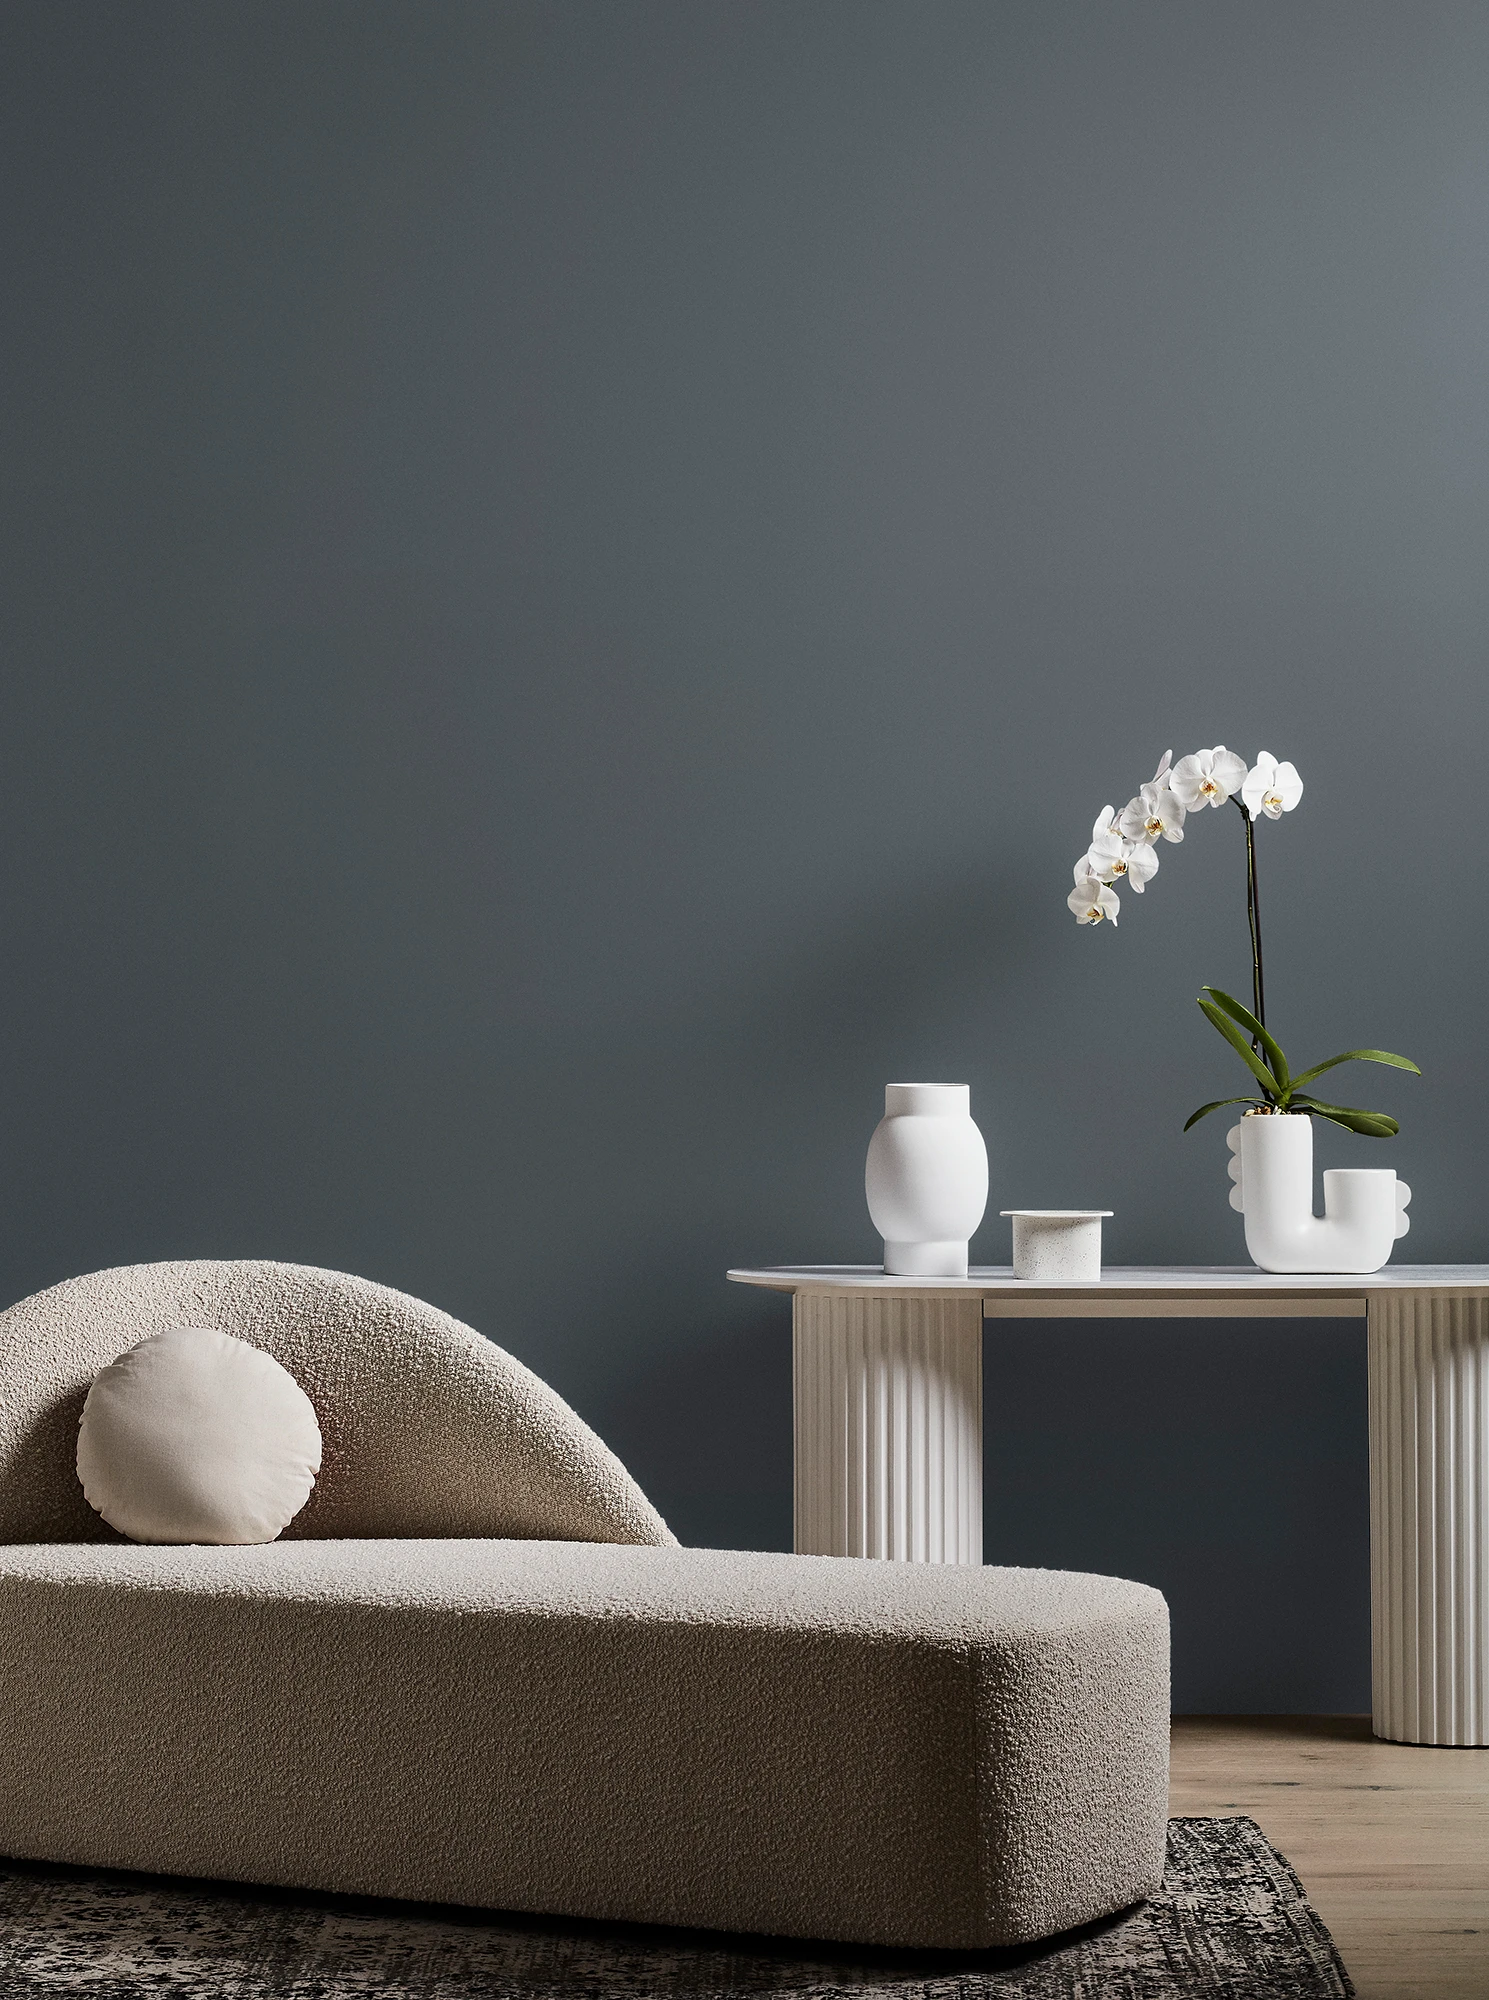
{"x": 1429, "y": 1517}
{"x": 888, "y": 1402}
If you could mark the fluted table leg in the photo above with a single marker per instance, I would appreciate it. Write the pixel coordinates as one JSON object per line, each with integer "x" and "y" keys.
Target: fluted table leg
{"x": 888, "y": 1415}
{"x": 1429, "y": 1517}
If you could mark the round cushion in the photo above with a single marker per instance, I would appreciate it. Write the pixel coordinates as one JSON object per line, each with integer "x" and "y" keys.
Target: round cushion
{"x": 193, "y": 1436}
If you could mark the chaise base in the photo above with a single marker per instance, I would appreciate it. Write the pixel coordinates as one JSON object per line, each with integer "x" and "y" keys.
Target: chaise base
{"x": 882, "y": 1753}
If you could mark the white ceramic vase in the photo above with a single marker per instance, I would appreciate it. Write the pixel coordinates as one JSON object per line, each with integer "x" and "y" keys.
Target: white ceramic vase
{"x": 1272, "y": 1167}
{"x": 926, "y": 1179}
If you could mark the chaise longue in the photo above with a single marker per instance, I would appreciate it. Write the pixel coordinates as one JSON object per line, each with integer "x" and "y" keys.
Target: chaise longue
{"x": 478, "y": 1669}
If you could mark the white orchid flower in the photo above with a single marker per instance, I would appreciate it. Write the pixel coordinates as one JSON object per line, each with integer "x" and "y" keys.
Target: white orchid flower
{"x": 1124, "y": 846}
{"x": 1109, "y": 857}
{"x": 1106, "y": 855}
{"x": 1270, "y": 787}
{"x": 1142, "y": 866}
{"x": 1090, "y": 899}
{"x": 1154, "y": 814}
{"x": 1208, "y": 778}
{"x": 1106, "y": 837}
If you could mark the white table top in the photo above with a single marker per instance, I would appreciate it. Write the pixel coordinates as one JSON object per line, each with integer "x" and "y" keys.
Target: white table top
{"x": 1174, "y": 1289}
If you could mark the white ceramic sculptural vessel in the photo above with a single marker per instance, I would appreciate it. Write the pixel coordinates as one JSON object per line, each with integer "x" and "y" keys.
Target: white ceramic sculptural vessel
{"x": 1272, "y": 1167}
{"x": 926, "y": 1179}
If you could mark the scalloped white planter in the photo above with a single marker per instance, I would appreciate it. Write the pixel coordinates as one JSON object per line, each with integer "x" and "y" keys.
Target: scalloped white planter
{"x": 926, "y": 1179}
{"x": 1272, "y": 1167}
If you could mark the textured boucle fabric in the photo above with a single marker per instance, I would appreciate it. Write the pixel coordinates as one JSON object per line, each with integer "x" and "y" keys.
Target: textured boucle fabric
{"x": 428, "y": 1428}
{"x": 812, "y": 1746}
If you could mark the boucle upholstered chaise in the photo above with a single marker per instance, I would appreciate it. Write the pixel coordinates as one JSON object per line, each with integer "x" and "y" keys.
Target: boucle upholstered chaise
{"x": 479, "y": 1669}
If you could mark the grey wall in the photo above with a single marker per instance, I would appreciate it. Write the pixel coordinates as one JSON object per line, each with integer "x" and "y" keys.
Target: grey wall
{"x": 575, "y": 576}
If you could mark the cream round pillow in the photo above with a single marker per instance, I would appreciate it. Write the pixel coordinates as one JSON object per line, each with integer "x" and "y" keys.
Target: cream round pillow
{"x": 196, "y": 1437}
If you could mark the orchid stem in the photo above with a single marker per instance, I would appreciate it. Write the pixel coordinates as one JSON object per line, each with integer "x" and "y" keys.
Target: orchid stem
{"x": 1254, "y": 918}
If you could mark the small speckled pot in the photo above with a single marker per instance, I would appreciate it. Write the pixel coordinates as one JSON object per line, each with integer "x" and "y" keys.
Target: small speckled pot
{"x": 1057, "y": 1245}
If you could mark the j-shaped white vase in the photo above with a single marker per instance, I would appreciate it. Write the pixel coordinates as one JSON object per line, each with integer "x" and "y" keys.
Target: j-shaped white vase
{"x": 926, "y": 1179}
{"x": 1272, "y": 1167}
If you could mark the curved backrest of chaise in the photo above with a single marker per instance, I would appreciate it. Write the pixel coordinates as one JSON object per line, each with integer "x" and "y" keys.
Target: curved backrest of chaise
{"x": 429, "y": 1429}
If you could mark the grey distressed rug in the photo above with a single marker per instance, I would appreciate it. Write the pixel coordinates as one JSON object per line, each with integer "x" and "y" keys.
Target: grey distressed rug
{"x": 1232, "y": 1923}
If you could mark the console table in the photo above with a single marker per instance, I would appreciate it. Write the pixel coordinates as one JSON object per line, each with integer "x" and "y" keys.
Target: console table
{"x": 887, "y": 1379}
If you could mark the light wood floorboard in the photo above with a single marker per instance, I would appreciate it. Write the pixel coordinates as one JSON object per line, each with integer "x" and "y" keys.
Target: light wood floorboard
{"x": 1391, "y": 1840}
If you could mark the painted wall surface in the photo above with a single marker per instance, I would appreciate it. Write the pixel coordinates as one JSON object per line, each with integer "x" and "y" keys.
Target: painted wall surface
{"x": 574, "y": 578}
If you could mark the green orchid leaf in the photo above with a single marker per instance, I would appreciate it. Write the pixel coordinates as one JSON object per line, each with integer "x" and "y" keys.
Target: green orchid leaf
{"x": 1360, "y": 1122}
{"x": 1369, "y": 1124}
{"x": 1275, "y": 1058}
{"x": 1357, "y": 1055}
{"x": 1242, "y": 1047}
{"x": 1205, "y": 1109}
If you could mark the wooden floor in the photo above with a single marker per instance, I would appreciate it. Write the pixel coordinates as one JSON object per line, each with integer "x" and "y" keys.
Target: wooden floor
{"x": 1391, "y": 1840}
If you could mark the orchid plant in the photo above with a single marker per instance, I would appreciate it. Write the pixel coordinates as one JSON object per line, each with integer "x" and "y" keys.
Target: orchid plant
{"x": 1124, "y": 848}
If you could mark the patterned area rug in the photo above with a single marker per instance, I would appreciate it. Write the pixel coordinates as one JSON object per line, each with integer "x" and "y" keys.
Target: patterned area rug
{"x": 1232, "y": 1924}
